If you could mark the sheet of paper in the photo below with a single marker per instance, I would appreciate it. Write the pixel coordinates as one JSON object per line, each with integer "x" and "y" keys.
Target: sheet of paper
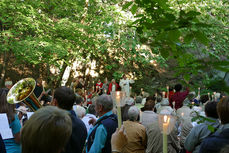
{"x": 5, "y": 130}
{"x": 29, "y": 114}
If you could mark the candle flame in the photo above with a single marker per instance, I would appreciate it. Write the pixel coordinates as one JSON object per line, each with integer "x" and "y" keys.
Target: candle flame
{"x": 182, "y": 114}
{"x": 118, "y": 93}
{"x": 165, "y": 118}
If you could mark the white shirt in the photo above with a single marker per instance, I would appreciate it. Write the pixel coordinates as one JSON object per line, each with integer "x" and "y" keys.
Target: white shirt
{"x": 125, "y": 85}
{"x": 113, "y": 87}
{"x": 86, "y": 119}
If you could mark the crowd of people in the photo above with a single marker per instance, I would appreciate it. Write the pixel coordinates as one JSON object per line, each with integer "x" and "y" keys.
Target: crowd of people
{"x": 82, "y": 119}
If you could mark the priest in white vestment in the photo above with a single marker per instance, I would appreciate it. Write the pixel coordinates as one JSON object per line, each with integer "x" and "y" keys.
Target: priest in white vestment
{"x": 125, "y": 85}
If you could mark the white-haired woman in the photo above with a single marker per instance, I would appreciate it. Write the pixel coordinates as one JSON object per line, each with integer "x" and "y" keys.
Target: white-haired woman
{"x": 136, "y": 133}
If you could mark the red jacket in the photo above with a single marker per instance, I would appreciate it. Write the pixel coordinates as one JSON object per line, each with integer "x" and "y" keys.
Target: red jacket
{"x": 99, "y": 84}
{"x": 178, "y": 97}
{"x": 110, "y": 87}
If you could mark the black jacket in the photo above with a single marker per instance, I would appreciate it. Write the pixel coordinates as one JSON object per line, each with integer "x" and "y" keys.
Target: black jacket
{"x": 79, "y": 134}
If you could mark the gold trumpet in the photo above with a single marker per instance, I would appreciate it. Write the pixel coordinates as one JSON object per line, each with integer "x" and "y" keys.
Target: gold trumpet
{"x": 22, "y": 91}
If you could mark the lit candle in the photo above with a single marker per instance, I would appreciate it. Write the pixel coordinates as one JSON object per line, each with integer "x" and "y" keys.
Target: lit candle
{"x": 215, "y": 96}
{"x": 182, "y": 114}
{"x": 118, "y": 99}
{"x": 165, "y": 131}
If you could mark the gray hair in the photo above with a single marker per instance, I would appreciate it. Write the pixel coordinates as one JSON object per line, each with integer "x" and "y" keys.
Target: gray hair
{"x": 80, "y": 111}
{"x": 105, "y": 101}
{"x": 165, "y": 102}
{"x": 133, "y": 113}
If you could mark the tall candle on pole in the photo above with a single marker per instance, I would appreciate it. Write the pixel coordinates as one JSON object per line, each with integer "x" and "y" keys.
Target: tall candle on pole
{"x": 118, "y": 99}
{"x": 166, "y": 123}
{"x": 166, "y": 120}
{"x": 198, "y": 91}
{"x": 167, "y": 92}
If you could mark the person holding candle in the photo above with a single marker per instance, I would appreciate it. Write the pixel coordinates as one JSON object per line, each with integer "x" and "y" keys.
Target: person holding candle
{"x": 185, "y": 109}
{"x": 178, "y": 96}
{"x": 125, "y": 85}
{"x": 99, "y": 137}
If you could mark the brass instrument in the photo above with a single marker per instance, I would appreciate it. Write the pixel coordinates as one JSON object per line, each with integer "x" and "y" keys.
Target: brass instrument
{"x": 22, "y": 91}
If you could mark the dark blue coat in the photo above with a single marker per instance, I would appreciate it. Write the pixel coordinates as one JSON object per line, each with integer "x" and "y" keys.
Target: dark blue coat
{"x": 215, "y": 142}
{"x": 79, "y": 134}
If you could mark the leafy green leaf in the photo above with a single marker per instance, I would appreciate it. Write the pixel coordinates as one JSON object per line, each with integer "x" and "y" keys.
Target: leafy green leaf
{"x": 188, "y": 38}
{"x": 127, "y": 5}
{"x": 134, "y": 9}
{"x": 174, "y": 35}
{"x": 201, "y": 37}
{"x": 164, "y": 53}
{"x": 187, "y": 77}
{"x": 211, "y": 128}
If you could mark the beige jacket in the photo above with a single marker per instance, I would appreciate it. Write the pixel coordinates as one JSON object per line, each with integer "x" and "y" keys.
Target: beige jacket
{"x": 136, "y": 134}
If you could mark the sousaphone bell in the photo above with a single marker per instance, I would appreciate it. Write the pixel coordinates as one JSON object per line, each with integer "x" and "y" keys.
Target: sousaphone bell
{"x": 22, "y": 91}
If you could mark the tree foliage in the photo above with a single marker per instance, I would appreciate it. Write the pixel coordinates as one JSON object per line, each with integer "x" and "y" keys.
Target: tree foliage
{"x": 143, "y": 37}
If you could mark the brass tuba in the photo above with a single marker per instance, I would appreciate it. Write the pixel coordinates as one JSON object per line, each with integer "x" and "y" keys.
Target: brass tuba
{"x": 22, "y": 91}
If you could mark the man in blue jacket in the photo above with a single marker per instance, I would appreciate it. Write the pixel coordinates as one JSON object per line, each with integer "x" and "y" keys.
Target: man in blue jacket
{"x": 64, "y": 98}
{"x": 99, "y": 137}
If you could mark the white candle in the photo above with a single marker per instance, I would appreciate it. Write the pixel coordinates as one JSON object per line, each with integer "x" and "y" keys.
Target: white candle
{"x": 163, "y": 94}
{"x": 174, "y": 105}
{"x": 118, "y": 99}
{"x": 165, "y": 131}
{"x": 209, "y": 96}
